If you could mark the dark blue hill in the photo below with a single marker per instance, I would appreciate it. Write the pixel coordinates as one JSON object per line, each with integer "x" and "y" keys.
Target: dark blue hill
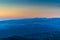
{"x": 31, "y": 28}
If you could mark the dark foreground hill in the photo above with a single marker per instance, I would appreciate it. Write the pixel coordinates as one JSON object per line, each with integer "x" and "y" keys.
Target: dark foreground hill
{"x": 17, "y": 38}
{"x": 30, "y": 29}
{"x": 42, "y": 36}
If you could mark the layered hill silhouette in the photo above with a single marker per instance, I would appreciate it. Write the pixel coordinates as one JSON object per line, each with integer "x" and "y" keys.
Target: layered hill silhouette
{"x": 30, "y": 29}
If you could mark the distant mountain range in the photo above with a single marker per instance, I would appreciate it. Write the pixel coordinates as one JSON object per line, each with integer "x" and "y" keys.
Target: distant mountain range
{"x": 31, "y": 29}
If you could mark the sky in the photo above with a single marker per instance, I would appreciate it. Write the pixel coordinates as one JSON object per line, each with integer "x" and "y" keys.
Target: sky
{"x": 29, "y": 8}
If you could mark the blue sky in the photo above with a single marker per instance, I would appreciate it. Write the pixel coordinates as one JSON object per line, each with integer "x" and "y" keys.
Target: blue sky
{"x": 31, "y": 1}
{"x": 52, "y": 3}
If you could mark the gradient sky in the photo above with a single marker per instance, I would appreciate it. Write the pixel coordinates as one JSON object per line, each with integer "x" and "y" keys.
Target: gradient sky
{"x": 29, "y": 8}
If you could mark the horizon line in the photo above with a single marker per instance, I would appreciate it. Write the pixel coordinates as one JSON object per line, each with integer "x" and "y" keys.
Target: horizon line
{"x": 29, "y": 18}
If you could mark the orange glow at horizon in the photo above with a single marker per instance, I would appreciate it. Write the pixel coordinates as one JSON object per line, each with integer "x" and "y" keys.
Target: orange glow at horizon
{"x": 27, "y": 12}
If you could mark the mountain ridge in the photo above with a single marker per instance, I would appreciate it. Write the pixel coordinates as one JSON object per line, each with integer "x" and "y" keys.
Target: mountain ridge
{"x": 26, "y": 27}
